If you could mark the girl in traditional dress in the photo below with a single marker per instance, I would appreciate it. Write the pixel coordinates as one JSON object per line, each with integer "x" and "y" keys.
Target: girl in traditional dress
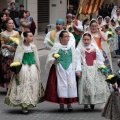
{"x": 101, "y": 40}
{"x": 100, "y": 21}
{"x": 7, "y": 59}
{"x": 92, "y": 88}
{"x": 29, "y": 91}
{"x": 61, "y": 86}
{"x": 111, "y": 39}
{"x": 106, "y": 21}
{"x": 85, "y": 24}
{"x": 112, "y": 108}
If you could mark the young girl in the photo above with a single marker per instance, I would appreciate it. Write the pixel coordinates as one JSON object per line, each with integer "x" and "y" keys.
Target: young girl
{"x": 112, "y": 108}
{"x": 92, "y": 88}
{"x": 29, "y": 91}
{"x": 61, "y": 86}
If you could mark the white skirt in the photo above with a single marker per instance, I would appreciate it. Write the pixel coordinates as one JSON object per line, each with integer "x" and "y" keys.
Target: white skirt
{"x": 29, "y": 90}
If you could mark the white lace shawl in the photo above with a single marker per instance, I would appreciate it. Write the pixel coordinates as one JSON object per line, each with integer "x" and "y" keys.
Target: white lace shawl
{"x": 80, "y": 53}
{"x": 55, "y": 49}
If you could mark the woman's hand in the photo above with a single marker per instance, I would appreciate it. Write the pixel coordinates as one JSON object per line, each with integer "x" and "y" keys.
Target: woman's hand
{"x": 4, "y": 46}
{"x": 79, "y": 75}
{"x": 55, "y": 62}
{"x": 10, "y": 48}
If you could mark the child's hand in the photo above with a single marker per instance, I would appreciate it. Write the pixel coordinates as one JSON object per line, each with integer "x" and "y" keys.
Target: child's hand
{"x": 55, "y": 62}
{"x": 78, "y": 75}
{"x": 114, "y": 86}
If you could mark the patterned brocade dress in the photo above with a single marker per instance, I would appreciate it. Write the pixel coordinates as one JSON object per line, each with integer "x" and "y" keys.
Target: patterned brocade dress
{"x": 92, "y": 88}
{"x": 5, "y": 72}
{"x": 30, "y": 90}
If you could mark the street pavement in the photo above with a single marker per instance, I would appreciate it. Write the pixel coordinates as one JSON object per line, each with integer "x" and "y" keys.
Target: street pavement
{"x": 46, "y": 110}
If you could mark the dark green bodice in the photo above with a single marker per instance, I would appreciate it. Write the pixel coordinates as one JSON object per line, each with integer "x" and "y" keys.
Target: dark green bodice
{"x": 28, "y": 58}
{"x": 65, "y": 58}
{"x": 77, "y": 38}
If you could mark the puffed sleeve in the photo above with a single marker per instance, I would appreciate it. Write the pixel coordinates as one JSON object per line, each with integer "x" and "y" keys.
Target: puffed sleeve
{"x": 78, "y": 61}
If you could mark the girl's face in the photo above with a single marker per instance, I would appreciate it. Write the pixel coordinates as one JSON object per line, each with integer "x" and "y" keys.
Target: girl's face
{"x": 65, "y": 39}
{"x": 113, "y": 24}
{"x": 10, "y": 24}
{"x": 118, "y": 32}
{"x": 107, "y": 20}
{"x": 104, "y": 29}
{"x": 99, "y": 21}
{"x": 94, "y": 27}
{"x": 87, "y": 23}
{"x": 69, "y": 19}
{"x": 29, "y": 38}
{"x": 3, "y": 18}
{"x": 86, "y": 40}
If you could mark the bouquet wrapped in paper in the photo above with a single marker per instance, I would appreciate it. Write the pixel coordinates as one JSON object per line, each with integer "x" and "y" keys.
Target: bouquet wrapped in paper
{"x": 110, "y": 33}
{"x": 112, "y": 79}
{"x": 103, "y": 69}
{"x": 16, "y": 67}
{"x": 12, "y": 42}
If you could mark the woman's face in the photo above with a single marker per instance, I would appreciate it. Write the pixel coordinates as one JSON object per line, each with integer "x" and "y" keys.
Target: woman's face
{"x": 10, "y": 24}
{"x": 118, "y": 12}
{"x": 4, "y": 17}
{"x": 94, "y": 27}
{"x": 86, "y": 40}
{"x": 25, "y": 15}
{"x": 65, "y": 39}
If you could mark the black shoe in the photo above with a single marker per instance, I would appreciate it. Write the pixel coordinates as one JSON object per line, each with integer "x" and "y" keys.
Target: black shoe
{"x": 92, "y": 106}
{"x": 86, "y": 108}
{"x": 70, "y": 109}
{"x": 61, "y": 110}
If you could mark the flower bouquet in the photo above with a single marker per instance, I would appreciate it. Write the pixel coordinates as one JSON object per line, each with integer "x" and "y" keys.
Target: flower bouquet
{"x": 69, "y": 28}
{"x": 16, "y": 67}
{"x": 112, "y": 79}
{"x": 103, "y": 69}
{"x": 12, "y": 42}
{"x": 56, "y": 56}
{"x": 110, "y": 33}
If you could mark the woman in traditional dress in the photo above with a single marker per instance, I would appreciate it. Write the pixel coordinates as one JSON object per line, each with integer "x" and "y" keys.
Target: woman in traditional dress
{"x": 29, "y": 91}
{"x": 100, "y": 21}
{"x": 101, "y": 40}
{"x": 92, "y": 88}
{"x": 7, "y": 57}
{"x": 61, "y": 86}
